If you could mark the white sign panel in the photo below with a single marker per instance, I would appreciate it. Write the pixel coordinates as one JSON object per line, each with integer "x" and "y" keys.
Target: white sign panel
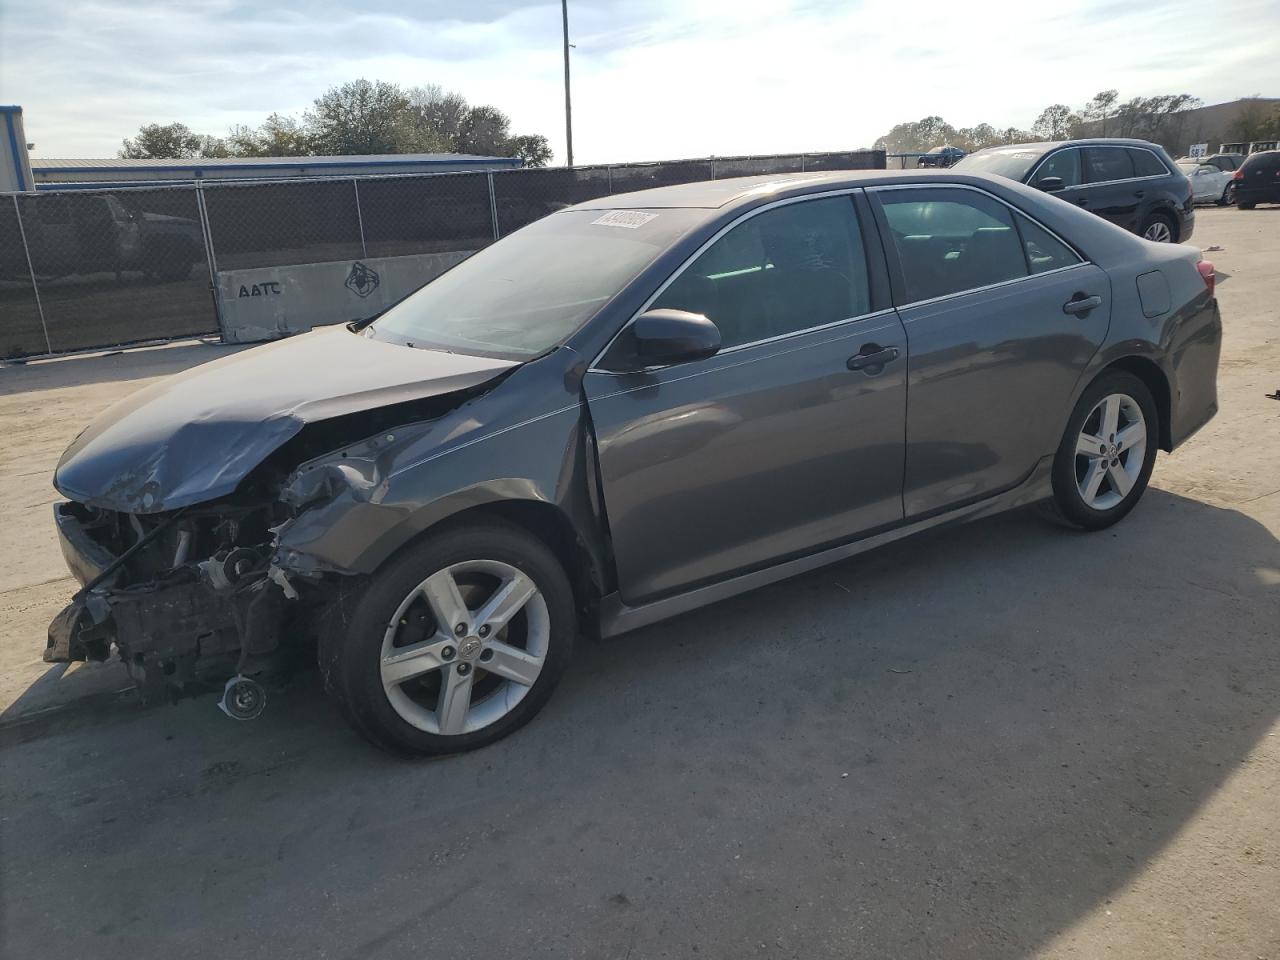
{"x": 273, "y": 302}
{"x": 1198, "y": 150}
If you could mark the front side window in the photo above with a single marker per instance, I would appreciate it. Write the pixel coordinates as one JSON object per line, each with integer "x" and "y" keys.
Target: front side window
{"x": 951, "y": 240}
{"x": 1146, "y": 164}
{"x": 1064, "y": 164}
{"x": 797, "y": 266}
{"x": 1107, "y": 163}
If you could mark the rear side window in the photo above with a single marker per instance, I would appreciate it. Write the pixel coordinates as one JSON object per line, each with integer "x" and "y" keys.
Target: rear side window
{"x": 951, "y": 240}
{"x": 1107, "y": 163}
{"x": 1147, "y": 164}
{"x": 1044, "y": 250}
{"x": 1064, "y": 164}
{"x": 797, "y": 266}
{"x": 1262, "y": 161}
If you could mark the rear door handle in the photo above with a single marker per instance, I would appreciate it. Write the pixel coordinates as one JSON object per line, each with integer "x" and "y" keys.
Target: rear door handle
{"x": 1081, "y": 304}
{"x": 872, "y": 358}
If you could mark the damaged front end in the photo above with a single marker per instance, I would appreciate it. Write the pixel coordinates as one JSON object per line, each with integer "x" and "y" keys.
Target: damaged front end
{"x": 188, "y": 598}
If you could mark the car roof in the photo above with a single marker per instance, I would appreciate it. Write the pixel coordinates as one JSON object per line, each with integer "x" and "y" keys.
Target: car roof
{"x": 735, "y": 191}
{"x": 1047, "y": 145}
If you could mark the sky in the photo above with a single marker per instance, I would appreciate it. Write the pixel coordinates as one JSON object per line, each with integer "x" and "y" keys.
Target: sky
{"x": 652, "y": 79}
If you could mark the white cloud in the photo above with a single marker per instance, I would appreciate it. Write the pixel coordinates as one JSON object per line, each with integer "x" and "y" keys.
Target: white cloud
{"x": 652, "y": 79}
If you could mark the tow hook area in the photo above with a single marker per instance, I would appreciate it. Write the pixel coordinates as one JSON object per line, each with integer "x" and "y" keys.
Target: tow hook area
{"x": 243, "y": 699}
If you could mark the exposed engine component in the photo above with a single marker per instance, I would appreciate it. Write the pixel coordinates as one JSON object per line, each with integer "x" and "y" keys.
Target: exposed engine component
{"x": 243, "y": 699}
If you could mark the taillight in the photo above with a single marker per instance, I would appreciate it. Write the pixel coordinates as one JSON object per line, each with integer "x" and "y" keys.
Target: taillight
{"x": 1239, "y": 174}
{"x": 1207, "y": 274}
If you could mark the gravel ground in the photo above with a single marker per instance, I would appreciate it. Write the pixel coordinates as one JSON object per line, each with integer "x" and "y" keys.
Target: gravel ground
{"x": 1001, "y": 740}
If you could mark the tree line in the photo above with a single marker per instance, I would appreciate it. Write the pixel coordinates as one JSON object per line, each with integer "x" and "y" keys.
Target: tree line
{"x": 1159, "y": 119}
{"x": 358, "y": 118}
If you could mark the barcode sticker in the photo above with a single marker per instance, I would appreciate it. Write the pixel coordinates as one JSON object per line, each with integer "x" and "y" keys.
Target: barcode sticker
{"x": 624, "y": 218}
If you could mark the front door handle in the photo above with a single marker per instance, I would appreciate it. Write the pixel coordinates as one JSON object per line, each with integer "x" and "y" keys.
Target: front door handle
{"x": 872, "y": 358}
{"x": 1081, "y": 304}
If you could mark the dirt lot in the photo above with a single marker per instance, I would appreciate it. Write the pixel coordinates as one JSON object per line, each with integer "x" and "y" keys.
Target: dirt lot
{"x": 1002, "y": 740}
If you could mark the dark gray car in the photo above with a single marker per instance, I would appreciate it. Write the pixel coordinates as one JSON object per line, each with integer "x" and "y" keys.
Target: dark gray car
{"x": 624, "y": 411}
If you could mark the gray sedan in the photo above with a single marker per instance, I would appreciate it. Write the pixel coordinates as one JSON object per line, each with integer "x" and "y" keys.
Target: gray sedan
{"x": 624, "y": 411}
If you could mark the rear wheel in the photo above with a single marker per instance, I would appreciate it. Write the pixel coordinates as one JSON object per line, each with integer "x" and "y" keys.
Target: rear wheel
{"x": 455, "y": 644}
{"x": 1245, "y": 206}
{"x": 1159, "y": 228}
{"x": 1106, "y": 456}
{"x": 1228, "y": 194}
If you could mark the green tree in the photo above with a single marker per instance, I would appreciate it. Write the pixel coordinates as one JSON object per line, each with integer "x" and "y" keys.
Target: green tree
{"x": 1256, "y": 121}
{"x": 533, "y": 149}
{"x": 1056, "y": 122}
{"x": 278, "y": 136}
{"x": 358, "y": 118}
{"x": 169, "y": 141}
{"x": 1100, "y": 109}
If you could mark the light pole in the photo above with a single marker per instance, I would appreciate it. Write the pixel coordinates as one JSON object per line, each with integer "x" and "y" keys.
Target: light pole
{"x": 568, "y": 105}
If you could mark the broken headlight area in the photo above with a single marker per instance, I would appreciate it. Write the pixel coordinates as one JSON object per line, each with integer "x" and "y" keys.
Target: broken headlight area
{"x": 187, "y": 599}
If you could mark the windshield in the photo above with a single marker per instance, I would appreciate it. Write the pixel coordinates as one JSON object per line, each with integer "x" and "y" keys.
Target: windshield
{"x": 1012, "y": 162}
{"x": 529, "y": 291}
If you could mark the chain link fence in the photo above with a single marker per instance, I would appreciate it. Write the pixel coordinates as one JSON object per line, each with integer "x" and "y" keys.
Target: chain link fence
{"x": 100, "y": 267}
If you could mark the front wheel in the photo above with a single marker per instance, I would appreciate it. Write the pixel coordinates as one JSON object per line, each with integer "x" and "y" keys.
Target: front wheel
{"x": 1228, "y": 195}
{"x": 1106, "y": 456}
{"x": 454, "y": 644}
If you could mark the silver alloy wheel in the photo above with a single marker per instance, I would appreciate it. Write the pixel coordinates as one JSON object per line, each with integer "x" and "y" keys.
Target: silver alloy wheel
{"x": 479, "y": 661}
{"x": 1158, "y": 231}
{"x": 1110, "y": 451}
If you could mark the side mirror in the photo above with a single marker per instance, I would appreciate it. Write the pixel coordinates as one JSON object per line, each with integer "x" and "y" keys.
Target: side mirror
{"x": 1051, "y": 184}
{"x": 662, "y": 337}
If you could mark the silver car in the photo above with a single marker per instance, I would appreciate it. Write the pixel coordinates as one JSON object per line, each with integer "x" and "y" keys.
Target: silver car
{"x": 624, "y": 411}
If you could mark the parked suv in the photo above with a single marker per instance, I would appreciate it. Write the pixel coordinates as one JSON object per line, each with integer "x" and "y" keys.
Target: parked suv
{"x": 1258, "y": 180}
{"x": 941, "y": 157}
{"x": 1132, "y": 183}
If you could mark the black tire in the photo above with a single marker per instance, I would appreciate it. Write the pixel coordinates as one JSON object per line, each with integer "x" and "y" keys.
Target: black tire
{"x": 1164, "y": 218}
{"x": 1228, "y": 195}
{"x": 1068, "y": 503}
{"x": 351, "y": 635}
{"x": 1241, "y": 205}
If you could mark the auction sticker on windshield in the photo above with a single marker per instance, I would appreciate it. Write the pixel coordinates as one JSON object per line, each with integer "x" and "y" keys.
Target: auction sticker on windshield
{"x": 624, "y": 218}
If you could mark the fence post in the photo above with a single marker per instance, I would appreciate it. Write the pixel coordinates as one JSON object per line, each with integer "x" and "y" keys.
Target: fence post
{"x": 210, "y": 258}
{"x": 802, "y": 163}
{"x": 609, "y": 171}
{"x": 493, "y": 206}
{"x": 35, "y": 287}
{"x": 713, "y": 168}
{"x": 364, "y": 249}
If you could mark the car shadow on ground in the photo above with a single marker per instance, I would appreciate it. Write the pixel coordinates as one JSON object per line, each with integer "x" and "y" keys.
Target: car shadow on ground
{"x": 954, "y": 746}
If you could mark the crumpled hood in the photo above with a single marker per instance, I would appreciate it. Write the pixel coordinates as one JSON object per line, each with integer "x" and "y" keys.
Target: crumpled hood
{"x": 194, "y": 436}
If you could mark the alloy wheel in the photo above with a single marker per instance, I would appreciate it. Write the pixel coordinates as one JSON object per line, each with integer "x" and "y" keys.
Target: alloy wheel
{"x": 465, "y": 646}
{"x": 1110, "y": 451}
{"x": 1158, "y": 231}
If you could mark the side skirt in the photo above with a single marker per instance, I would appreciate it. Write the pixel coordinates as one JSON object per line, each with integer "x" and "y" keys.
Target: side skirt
{"x": 616, "y": 617}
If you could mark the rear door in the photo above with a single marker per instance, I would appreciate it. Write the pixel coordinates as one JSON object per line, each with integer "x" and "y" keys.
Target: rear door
{"x": 1001, "y": 318}
{"x": 777, "y": 445}
{"x": 1110, "y": 188}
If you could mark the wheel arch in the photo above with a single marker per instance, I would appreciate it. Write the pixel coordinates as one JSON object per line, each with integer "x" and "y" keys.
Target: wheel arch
{"x": 1149, "y": 372}
{"x": 548, "y": 522}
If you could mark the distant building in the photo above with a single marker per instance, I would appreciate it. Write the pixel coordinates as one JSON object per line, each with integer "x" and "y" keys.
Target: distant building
{"x": 1213, "y": 125}
{"x": 63, "y": 174}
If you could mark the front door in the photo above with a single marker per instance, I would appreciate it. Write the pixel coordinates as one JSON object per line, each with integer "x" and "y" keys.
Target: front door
{"x": 1000, "y": 323}
{"x": 773, "y": 447}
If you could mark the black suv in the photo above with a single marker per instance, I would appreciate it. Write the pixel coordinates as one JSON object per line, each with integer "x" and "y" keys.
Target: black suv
{"x": 1132, "y": 183}
{"x": 941, "y": 157}
{"x": 1258, "y": 180}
